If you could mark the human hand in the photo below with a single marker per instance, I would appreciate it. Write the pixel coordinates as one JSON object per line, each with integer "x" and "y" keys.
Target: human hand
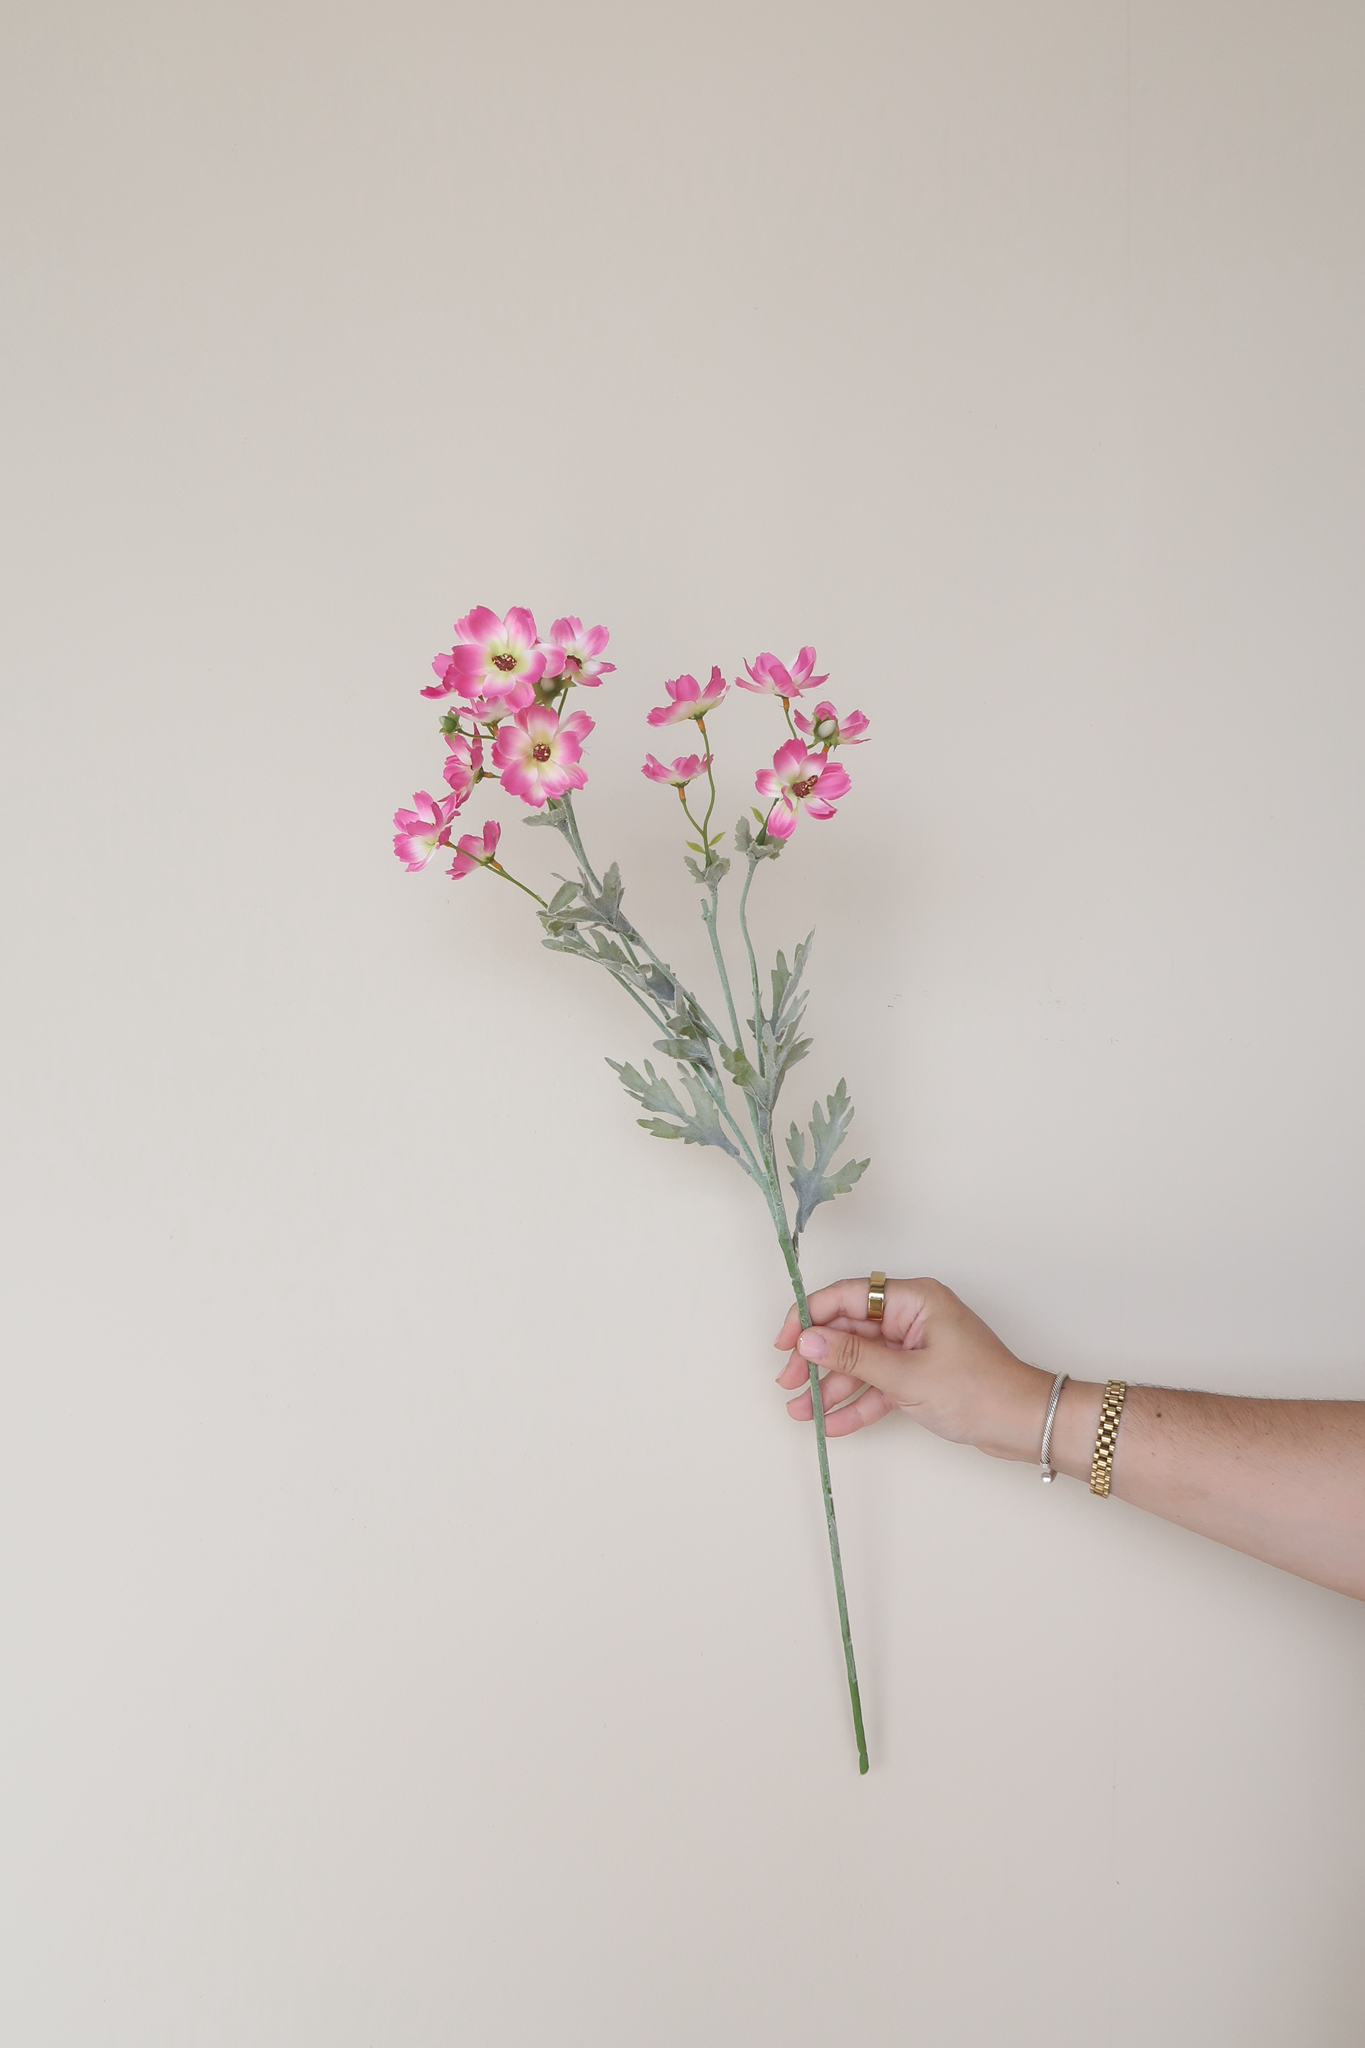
{"x": 929, "y": 1356}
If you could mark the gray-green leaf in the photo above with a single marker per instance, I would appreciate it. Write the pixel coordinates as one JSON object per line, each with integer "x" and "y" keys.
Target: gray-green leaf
{"x": 700, "y": 1127}
{"x": 816, "y": 1183}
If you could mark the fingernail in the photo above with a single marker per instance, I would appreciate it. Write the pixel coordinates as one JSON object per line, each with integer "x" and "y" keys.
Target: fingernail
{"x": 813, "y": 1344}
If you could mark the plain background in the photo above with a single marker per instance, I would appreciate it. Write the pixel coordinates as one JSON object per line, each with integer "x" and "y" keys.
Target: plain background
{"x": 416, "y": 1622}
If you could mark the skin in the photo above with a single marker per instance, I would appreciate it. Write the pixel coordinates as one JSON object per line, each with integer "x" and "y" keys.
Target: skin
{"x": 1283, "y": 1481}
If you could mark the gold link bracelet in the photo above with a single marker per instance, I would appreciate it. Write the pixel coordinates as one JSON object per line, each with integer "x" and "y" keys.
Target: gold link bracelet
{"x": 1102, "y": 1464}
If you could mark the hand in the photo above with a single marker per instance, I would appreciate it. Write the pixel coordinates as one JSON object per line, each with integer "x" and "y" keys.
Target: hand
{"x": 929, "y": 1356}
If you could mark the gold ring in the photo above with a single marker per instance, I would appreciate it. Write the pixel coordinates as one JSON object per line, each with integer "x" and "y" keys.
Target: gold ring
{"x": 876, "y": 1297}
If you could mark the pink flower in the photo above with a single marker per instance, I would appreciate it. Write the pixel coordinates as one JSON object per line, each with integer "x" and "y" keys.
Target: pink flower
{"x": 825, "y": 728}
{"x": 492, "y": 655}
{"x": 422, "y": 830}
{"x": 689, "y": 699}
{"x": 684, "y": 770}
{"x": 486, "y": 710}
{"x": 798, "y": 778}
{"x": 579, "y": 652}
{"x": 538, "y": 755}
{"x": 772, "y": 679}
{"x": 463, "y": 762}
{"x": 475, "y": 850}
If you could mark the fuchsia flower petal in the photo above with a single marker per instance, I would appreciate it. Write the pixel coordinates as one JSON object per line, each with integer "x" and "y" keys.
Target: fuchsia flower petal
{"x": 422, "y": 829}
{"x": 520, "y": 627}
{"x": 689, "y": 700}
{"x": 825, "y": 728}
{"x": 464, "y": 758}
{"x": 800, "y": 779}
{"x": 684, "y": 770}
{"x": 578, "y": 725}
{"x": 579, "y": 651}
{"x": 445, "y": 671}
{"x": 485, "y": 709}
{"x": 537, "y": 757}
{"x": 772, "y": 678}
{"x": 492, "y": 657}
{"x": 476, "y": 850}
{"x": 478, "y": 625}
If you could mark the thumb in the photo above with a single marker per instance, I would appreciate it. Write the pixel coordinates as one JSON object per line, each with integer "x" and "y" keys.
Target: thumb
{"x": 861, "y": 1358}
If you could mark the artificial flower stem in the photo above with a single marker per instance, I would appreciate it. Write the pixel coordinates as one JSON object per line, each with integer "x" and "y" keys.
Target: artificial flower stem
{"x": 575, "y": 841}
{"x": 495, "y": 868}
{"x": 832, "y": 1527}
{"x": 710, "y": 923}
{"x": 700, "y": 830}
{"x": 711, "y": 781}
{"x": 753, "y": 963}
{"x": 708, "y": 918}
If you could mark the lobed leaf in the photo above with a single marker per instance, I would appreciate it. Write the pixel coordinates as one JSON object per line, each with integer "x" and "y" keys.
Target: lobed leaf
{"x": 816, "y": 1183}
{"x": 701, "y": 1127}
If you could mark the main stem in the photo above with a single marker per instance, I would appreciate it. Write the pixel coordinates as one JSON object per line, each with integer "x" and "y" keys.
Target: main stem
{"x": 832, "y": 1527}
{"x": 772, "y": 1192}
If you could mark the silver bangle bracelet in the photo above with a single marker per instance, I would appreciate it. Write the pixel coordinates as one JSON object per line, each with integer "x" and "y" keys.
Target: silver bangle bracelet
{"x": 1046, "y": 1473}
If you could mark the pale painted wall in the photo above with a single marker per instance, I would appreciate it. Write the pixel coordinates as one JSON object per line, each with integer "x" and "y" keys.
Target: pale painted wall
{"x": 416, "y": 1624}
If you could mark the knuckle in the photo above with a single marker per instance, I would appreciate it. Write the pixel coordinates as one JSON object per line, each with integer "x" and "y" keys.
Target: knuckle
{"x": 844, "y": 1353}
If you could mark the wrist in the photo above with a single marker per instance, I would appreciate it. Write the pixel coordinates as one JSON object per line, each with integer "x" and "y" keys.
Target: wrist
{"x": 1074, "y": 1427}
{"x": 1015, "y": 1429}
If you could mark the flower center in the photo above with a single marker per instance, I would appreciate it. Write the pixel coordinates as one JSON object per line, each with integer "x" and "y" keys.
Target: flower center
{"x": 506, "y": 662}
{"x": 540, "y": 751}
{"x": 572, "y": 661}
{"x": 803, "y": 789}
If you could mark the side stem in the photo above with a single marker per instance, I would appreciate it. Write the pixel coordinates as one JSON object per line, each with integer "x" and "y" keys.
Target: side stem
{"x": 753, "y": 963}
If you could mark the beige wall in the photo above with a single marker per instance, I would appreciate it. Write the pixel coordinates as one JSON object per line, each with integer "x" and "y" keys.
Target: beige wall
{"x": 415, "y": 1622}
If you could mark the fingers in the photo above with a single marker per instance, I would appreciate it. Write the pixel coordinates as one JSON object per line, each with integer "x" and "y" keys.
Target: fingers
{"x": 790, "y": 1331}
{"x": 870, "y": 1406}
{"x": 795, "y": 1372}
{"x": 844, "y": 1305}
{"x": 834, "y": 1388}
{"x": 862, "y": 1358}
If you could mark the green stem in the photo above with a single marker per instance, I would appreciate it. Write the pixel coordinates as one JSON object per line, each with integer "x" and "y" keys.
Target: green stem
{"x": 708, "y": 918}
{"x": 711, "y": 780}
{"x": 495, "y": 869}
{"x": 575, "y": 841}
{"x": 770, "y": 1187}
{"x": 832, "y": 1527}
{"x": 753, "y": 963}
{"x": 698, "y": 829}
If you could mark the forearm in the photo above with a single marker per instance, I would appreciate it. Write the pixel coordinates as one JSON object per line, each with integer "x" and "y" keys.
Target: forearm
{"x": 1283, "y": 1481}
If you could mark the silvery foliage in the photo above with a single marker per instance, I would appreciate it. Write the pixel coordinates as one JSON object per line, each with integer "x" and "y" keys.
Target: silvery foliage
{"x": 814, "y": 1183}
{"x": 588, "y": 921}
{"x": 700, "y": 1128}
